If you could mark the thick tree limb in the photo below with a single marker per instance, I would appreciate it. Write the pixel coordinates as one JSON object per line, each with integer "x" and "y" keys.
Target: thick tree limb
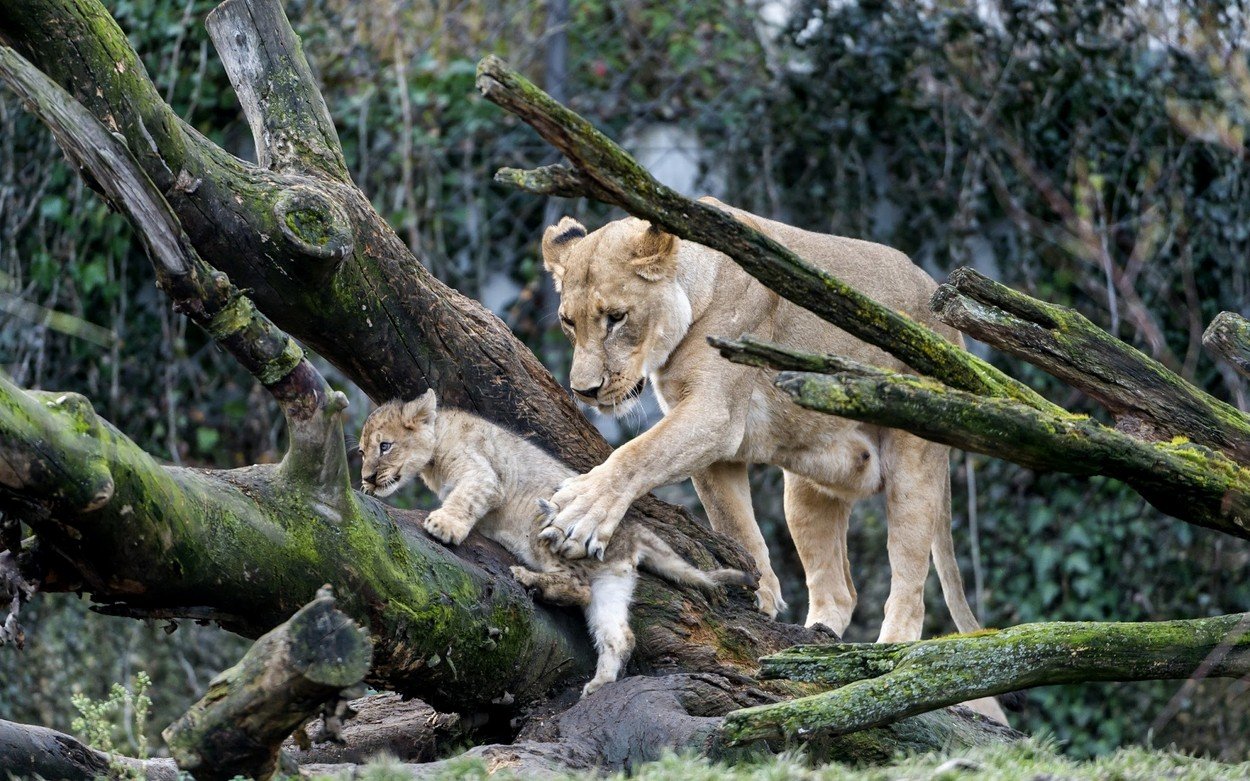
{"x": 882, "y": 683}
{"x": 290, "y": 122}
{"x": 1145, "y": 397}
{"x": 606, "y": 172}
{"x": 1228, "y": 336}
{"x": 247, "y": 543}
{"x": 238, "y": 726}
{"x": 383, "y": 723}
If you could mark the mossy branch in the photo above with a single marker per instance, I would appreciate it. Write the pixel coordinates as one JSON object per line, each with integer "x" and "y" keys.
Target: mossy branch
{"x": 879, "y": 684}
{"x": 288, "y": 675}
{"x": 290, "y": 121}
{"x": 1145, "y": 397}
{"x": 604, "y": 171}
{"x": 316, "y": 455}
{"x": 1184, "y": 480}
{"x": 1228, "y": 336}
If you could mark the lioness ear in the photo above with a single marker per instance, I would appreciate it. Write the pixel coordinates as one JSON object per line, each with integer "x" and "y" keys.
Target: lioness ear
{"x": 420, "y": 411}
{"x": 558, "y": 239}
{"x": 655, "y": 255}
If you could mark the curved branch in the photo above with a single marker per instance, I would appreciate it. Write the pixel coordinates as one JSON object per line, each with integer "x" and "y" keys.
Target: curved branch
{"x": 606, "y": 172}
{"x": 267, "y": 68}
{"x": 38, "y": 752}
{"x": 880, "y": 684}
{"x": 1145, "y": 397}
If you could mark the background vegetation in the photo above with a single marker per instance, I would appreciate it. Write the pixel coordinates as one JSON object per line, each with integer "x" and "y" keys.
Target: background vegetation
{"x": 1090, "y": 152}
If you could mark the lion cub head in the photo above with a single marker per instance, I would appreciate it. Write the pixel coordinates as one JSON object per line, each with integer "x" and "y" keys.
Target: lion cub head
{"x": 396, "y": 443}
{"x": 620, "y": 304}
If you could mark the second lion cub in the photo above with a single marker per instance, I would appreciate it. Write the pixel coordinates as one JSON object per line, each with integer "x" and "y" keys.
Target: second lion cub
{"x": 493, "y": 480}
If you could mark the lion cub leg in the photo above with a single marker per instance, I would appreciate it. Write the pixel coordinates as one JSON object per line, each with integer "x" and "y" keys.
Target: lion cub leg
{"x": 818, "y": 523}
{"x": 560, "y": 587}
{"x": 607, "y": 615}
{"x": 725, "y": 492}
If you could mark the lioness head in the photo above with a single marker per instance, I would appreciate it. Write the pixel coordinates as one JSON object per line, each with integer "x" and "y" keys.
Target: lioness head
{"x": 620, "y": 305}
{"x": 396, "y": 444}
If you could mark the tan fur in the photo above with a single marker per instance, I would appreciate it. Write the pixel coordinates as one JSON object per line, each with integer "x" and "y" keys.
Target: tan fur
{"x": 493, "y": 480}
{"x": 638, "y": 304}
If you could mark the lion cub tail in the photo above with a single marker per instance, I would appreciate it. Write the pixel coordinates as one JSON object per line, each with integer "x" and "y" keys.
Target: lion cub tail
{"x": 656, "y": 557}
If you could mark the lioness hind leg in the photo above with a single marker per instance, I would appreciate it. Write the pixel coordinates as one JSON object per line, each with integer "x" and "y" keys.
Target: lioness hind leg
{"x": 818, "y": 523}
{"x": 608, "y": 619}
{"x": 914, "y": 493}
{"x": 725, "y": 492}
{"x": 560, "y": 587}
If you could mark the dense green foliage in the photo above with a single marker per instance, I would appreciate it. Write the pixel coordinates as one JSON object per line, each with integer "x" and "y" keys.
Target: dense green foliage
{"x": 1089, "y": 152}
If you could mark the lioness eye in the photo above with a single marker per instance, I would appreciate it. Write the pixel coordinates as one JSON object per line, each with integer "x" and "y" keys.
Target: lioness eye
{"x": 384, "y": 447}
{"x": 615, "y": 318}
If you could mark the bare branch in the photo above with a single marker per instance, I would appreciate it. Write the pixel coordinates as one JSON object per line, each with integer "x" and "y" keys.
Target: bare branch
{"x": 266, "y": 65}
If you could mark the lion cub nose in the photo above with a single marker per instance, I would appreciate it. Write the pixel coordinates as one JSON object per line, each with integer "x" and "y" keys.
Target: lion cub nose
{"x": 589, "y": 393}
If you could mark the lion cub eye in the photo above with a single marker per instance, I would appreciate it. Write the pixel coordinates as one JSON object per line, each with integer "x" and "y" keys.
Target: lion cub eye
{"x": 615, "y": 318}
{"x": 385, "y": 447}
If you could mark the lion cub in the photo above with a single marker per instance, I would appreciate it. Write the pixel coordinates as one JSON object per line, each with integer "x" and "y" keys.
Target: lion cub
{"x": 493, "y": 480}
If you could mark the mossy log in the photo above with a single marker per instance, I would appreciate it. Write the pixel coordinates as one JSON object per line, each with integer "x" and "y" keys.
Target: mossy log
{"x": 1228, "y": 336}
{"x": 878, "y": 684}
{"x": 1145, "y": 398}
{"x": 286, "y": 677}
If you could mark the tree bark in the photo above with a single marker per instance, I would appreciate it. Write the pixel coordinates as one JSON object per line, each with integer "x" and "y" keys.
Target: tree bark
{"x": 238, "y": 726}
{"x": 878, "y": 684}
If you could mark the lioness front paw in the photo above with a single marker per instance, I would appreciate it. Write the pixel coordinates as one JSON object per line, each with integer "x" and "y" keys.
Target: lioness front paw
{"x": 589, "y": 508}
{"x": 447, "y": 528}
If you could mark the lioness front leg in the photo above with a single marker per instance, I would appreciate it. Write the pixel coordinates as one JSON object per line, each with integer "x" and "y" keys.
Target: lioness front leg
{"x": 699, "y": 431}
{"x": 725, "y": 491}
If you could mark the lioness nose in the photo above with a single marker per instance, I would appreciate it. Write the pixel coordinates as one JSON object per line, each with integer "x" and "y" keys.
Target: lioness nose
{"x": 589, "y": 393}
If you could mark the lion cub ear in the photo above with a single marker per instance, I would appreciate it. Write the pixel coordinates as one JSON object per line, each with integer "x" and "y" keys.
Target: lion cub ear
{"x": 655, "y": 255}
{"x": 558, "y": 239}
{"x": 420, "y": 411}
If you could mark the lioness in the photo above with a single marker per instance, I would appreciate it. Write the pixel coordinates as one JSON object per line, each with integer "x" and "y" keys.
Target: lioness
{"x": 639, "y": 304}
{"x": 493, "y": 480}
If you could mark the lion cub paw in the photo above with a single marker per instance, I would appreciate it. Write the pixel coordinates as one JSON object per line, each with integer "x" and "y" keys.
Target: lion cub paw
{"x": 447, "y": 528}
{"x": 526, "y": 577}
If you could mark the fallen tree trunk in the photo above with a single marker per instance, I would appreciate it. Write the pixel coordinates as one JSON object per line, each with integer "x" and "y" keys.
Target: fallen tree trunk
{"x": 878, "y": 684}
{"x": 38, "y": 752}
{"x": 1228, "y": 336}
{"x": 291, "y": 672}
